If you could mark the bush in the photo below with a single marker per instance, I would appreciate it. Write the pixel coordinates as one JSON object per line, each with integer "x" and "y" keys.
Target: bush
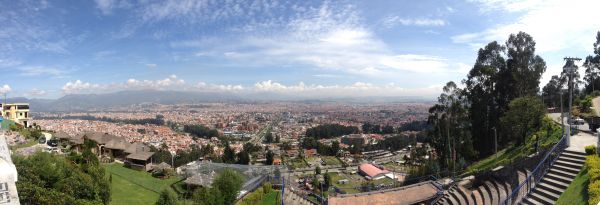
{"x": 590, "y": 149}
{"x": 266, "y": 187}
{"x": 594, "y": 192}
{"x": 593, "y": 164}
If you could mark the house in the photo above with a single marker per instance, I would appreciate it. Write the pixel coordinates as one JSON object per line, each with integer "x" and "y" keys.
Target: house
{"x": 310, "y": 152}
{"x": 372, "y": 172}
{"x": 17, "y": 112}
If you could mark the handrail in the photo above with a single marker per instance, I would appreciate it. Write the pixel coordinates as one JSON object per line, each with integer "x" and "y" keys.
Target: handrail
{"x": 514, "y": 196}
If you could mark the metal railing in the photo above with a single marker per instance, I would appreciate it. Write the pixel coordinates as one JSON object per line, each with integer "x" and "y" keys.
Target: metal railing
{"x": 537, "y": 174}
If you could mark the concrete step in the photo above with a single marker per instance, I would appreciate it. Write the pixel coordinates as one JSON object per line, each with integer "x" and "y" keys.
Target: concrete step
{"x": 477, "y": 197}
{"x": 451, "y": 198}
{"x": 502, "y": 192}
{"x": 574, "y": 153}
{"x": 550, "y": 188}
{"x": 466, "y": 194}
{"x": 459, "y": 197}
{"x": 539, "y": 198}
{"x": 492, "y": 190}
{"x": 530, "y": 201}
{"x": 565, "y": 168}
{"x": 564, "y": 179}
{"x": 485, "y": 195}
{"x": 555, "y": 183}
{"x": 544, "y": 192}
{"x": 568, "y": 164}
{"x": 562, "y": 173}
{"x": 572, "y": 159}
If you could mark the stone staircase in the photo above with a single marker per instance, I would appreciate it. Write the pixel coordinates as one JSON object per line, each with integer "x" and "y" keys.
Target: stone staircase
{"x": 558, "y": 178}
{"x": 492, "y": 192}
{"x": 292, "y": 198}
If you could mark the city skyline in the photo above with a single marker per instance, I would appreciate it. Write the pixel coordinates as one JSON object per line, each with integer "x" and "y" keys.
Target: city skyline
{"x": 308, "y": 48}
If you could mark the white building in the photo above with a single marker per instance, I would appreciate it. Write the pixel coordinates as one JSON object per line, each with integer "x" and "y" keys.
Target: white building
{"x": 8, "y": 176}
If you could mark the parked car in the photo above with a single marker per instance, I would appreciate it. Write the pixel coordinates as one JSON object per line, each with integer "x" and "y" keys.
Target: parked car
{"x": 42, "y": 140}
{"x": 52, "y": 143}
{"x": 576, "y": 121}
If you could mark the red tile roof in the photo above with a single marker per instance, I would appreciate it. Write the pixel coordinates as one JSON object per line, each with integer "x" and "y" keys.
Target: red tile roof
{"x": 371, "y": 170}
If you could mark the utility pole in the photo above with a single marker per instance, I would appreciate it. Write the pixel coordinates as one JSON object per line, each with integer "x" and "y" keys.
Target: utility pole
{"x": 570, "y": 68}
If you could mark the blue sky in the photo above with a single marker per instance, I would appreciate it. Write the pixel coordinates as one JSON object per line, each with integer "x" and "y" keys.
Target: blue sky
{"x": 312, "y": 48}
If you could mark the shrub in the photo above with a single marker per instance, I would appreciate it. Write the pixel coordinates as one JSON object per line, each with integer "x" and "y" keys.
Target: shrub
{"x": 594, "y": 174}
{"x": 594, "y": 192}
{"x": 590, "y": 149}
{"x": 266, "y": 187}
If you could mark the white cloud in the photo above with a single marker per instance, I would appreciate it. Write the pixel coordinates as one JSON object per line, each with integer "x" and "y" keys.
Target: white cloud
{"x": 357, "y": 89}
{"x": 5, "y": 89}
{"x": 81, "y": 87}
{"x": 326, "y": 37}
{"x": 42, "y": 70}
{"x": 169, "y": 83}
{"x": 392, "y": 21}
{"x": 555, "y": 25}
{"x": 36, "y": 93}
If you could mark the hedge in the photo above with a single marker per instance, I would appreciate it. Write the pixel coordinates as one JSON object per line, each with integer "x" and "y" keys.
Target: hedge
{"x": 590, "y": 149}
{"x": 593, "y": 164}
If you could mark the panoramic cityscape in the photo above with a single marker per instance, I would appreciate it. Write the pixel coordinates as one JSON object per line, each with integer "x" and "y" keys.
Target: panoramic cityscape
{"x": 279, "y": 102}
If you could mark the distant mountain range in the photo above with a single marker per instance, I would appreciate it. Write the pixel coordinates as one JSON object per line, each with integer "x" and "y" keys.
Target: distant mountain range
{"x": 83, "y": 102}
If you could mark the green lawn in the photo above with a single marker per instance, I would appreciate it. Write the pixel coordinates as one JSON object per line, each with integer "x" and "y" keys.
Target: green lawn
{"x": 135, "y": 187}
{"x": 271, "y": 198}
{"x": 577, "y": 192}
{"x": 296, "y": 163}
{"x": 348, "y": 188}
{"x": 124, "y": 192}
{"x": 331, "y": 161}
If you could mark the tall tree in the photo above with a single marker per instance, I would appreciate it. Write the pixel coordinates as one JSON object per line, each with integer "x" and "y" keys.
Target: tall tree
{"x": 451, "y": 128}
{"x": 269, "y": 157}
{"x": 592, "y": 68}
{"x": 552, "y": 91}
{"x": 228, "y": 154}
{"x": 243, "y": 157}
{"x": 526, "y": 67}
{"x": 483, "y": 97}
{"x": 523, "y": 117}
{"x": 229, "y": 183}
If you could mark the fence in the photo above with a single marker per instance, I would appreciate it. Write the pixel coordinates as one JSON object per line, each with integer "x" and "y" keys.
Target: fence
{"x": 537, "y": 174}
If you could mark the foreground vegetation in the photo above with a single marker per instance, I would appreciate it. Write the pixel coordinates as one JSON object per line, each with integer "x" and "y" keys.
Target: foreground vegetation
{"x": 548, "y": 134}
{"x": 576, "y": 193}
{"x": 49, "y": 179}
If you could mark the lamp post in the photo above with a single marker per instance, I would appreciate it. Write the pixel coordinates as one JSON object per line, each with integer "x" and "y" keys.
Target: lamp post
{"x": 495, "y": 142}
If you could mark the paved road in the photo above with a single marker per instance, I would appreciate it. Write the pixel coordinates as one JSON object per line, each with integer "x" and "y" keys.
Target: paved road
{"x": 556, "y": 118}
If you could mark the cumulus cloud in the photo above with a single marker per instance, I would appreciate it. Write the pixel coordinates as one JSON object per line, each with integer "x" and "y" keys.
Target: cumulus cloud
{"x": 78, "y": 86}
{"x": 357, "y": 89}
{"x": 5, "y": 89}
{"x": 392, "y": 21}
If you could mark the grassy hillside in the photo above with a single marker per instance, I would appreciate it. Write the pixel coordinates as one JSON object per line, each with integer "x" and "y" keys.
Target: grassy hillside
{"x": 577, "y": 192}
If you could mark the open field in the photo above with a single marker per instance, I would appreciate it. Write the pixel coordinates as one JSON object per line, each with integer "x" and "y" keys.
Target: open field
{"x": 271, "y": 198}
{"x": 349, "y": 187}
{"x": 135, "y": 187}
{"x": 296, "y": 163}
{"x": 124, "y": 192}
{"x": 331, "y": 161}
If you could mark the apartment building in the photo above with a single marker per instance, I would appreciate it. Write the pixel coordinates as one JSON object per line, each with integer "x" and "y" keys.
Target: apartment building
{"x": 17, "y": 112}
